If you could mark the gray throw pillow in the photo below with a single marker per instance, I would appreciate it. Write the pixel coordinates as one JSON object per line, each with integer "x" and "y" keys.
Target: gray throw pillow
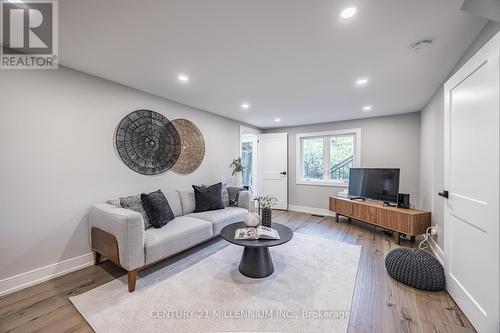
{"x": 134, "y": 203}
{"x": 234, "y": 193}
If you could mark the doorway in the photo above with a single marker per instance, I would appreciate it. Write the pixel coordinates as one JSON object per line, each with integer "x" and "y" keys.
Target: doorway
{"x": 471, "y": 211}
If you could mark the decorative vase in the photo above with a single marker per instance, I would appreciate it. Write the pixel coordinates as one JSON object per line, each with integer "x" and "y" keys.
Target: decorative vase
{"x": 252, "y": 220}
{"x": 237, "y": 179}
{"x": 266, "y": 217}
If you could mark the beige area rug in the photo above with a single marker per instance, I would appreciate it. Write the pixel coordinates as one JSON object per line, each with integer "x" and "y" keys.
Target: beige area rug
{"x": 311, "y": 290}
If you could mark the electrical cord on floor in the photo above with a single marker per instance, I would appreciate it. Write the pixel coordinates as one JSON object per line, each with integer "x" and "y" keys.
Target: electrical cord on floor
{"x": 425, "y": 240}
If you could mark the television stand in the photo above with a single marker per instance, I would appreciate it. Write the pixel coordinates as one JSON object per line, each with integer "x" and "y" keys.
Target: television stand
{"x": 404, "y": 221}
{"x": 358, "y": 198}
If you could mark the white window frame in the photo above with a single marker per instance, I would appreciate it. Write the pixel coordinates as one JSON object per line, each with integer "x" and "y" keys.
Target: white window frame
{"x": 249, "y": 137}
{"x": 299, "y": 157}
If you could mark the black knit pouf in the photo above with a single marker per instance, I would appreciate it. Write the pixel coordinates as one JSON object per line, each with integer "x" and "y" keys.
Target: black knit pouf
{"x": 415, "y": 268}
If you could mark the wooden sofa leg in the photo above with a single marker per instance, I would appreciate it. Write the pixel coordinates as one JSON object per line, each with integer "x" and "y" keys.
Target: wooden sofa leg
{"x": 132, "y": 278}
{"x": 97, "y": 258}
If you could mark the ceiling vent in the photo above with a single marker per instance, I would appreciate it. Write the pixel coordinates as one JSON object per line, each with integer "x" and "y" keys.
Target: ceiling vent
{"x": 421, "y": 45}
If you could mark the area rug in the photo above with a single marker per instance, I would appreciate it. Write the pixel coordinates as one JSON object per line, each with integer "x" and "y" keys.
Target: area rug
{"x": 311, "y": 290}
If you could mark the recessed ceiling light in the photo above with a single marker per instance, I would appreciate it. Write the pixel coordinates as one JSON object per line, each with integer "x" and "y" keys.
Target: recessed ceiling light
{"x": 348, "y": 12}
{"x": 245, "y": 106}
{"x": 183, "y": 78}
{"x": 361, "y": 82}
{"x": 367, "y": 108}
{"x": 277, "y": 120}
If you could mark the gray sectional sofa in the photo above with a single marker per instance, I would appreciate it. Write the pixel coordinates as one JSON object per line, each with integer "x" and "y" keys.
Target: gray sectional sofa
{"x": 118, "y": 233}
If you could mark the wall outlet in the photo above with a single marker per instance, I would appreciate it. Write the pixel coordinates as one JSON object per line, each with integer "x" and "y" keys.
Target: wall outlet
{"x": 434, "y": 230}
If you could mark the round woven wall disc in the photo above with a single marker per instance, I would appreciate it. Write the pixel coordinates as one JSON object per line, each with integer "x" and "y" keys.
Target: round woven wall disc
{"x": 192, "y": 146}
{"x": 147, "y": 142}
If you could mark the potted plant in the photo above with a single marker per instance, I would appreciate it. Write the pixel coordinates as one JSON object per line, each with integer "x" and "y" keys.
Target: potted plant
{"x": 237, "y": 168}
{"x": 265, "y": 204}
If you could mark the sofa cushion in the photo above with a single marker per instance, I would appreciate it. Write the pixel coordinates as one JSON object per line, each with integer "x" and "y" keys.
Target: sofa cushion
{"x": 114, "y": 202}
{"x": 179, "y": 234}
{"x": 221, "y": 217}
{"x": 156, "y": 206}
{"x": 208, "y": 197}
{"x": 174, "y": 202}
{"x": 188, "y": 202}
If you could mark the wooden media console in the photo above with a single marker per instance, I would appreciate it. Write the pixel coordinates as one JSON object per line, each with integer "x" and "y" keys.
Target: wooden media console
{"x": 409, "y": 222}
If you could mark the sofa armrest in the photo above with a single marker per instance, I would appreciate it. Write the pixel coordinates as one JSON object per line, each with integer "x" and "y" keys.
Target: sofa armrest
{"x": 244, "y": 199}
{"x": 127, "y": 227}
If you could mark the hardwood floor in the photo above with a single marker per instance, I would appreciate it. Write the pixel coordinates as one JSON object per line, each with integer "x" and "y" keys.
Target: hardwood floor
{"x": 380, "y": 304}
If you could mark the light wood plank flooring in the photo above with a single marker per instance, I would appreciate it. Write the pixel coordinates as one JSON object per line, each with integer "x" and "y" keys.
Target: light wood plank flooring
{"x": 380, "y": 303}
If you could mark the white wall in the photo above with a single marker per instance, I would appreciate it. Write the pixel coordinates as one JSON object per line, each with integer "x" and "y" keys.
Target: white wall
{"x": 249, "y": 130}
{"x": 57, "y": 159}
{"x": 432, "y": 142}
{"x": 386, "y": 142}
{"x": 431, "y": 159}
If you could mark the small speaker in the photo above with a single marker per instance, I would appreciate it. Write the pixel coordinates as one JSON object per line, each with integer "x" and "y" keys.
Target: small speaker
{"x": 403, "y": 200}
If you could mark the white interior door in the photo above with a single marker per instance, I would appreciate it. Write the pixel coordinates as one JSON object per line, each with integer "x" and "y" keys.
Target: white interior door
{"x": 272, "y": 169}
{"x": 471, "y": 233}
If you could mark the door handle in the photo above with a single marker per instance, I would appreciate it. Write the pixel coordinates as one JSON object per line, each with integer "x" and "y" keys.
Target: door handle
{"x": 444, "y": 194}
{"x": 283, "y": 173}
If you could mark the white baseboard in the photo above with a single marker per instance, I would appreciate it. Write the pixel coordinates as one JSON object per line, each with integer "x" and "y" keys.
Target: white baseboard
{"x": 436, "y": 250}
{"x": 27, "y": 279}
{"x": 311, "y": 210}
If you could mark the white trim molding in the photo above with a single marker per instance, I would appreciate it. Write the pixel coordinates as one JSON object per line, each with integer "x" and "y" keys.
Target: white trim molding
{"x": 27, "y": 279}
{"x": 436, "y": 250}
{"x": 315, "y": 182}
{"x": 326, "y": 152}
{"x": 311, "y": 210}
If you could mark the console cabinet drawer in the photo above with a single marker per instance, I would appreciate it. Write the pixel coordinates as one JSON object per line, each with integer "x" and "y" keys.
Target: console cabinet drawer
{"x": 372, "y": 214}
{"x": 365, "y": 213}
{"x": 360, "y": 212}
{"x": 344, "y": 207}
{"x": 394, "y": 220}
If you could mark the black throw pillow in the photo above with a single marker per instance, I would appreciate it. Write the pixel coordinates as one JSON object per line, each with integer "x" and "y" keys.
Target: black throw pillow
{"x": 208, "y": 197}
{"x": 156, "y": 206}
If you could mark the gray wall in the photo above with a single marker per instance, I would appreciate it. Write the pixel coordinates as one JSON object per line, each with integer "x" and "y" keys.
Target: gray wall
{"x": 432, "y": 141}
{"x": 431, "y": 159}
{"x": 391, "y": 142}
{"x": 56, "y": 137}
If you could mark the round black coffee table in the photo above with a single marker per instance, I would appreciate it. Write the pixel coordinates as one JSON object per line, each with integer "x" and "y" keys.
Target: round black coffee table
{"x": 256, "y": 261}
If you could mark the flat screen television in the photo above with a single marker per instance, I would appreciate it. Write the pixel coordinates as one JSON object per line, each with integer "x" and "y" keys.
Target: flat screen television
{"x": 377, "y": 184}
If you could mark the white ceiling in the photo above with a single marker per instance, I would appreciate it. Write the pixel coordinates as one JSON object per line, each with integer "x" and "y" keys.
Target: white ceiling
{"x": 290, "y": 59}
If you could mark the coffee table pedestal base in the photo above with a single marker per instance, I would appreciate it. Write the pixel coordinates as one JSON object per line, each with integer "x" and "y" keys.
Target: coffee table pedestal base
{"x": 256, "y": 262}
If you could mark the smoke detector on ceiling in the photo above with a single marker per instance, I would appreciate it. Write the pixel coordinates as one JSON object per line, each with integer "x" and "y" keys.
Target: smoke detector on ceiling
{"x": 421, "y": 45}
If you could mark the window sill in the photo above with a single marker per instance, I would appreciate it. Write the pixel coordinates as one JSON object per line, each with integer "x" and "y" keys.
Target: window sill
{"x": 322, "y": 183}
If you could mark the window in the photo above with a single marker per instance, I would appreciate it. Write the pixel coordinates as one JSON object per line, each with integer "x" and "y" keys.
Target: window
{"x": 246, "y": 160}
{"x": 248, "y": 151}
{"x": 313, "y": 158}
{"x": 324, "y": 158}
